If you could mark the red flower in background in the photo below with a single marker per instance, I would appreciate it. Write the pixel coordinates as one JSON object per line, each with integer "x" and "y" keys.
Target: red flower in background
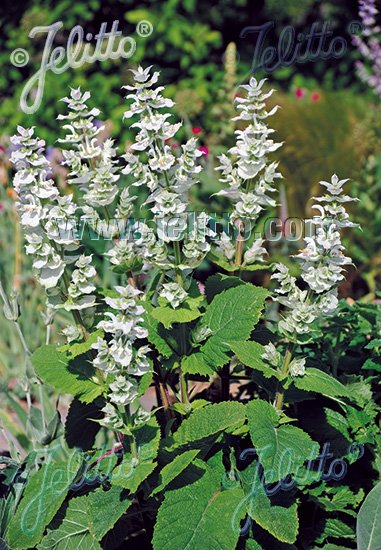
{"x": 315, "y": 96}
{"x": 299, "y": 93}
{"x": 196, "y": 130}
{"x": 204, "y": 150}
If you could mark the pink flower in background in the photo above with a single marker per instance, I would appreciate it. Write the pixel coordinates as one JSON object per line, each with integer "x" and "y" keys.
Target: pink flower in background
{"x": 196, "y": 130}
{"x": 315, "y": 96}
{"x": 204, "y": 150}
{"x": 299, "y": 93}
{"x": 201, "y": 287}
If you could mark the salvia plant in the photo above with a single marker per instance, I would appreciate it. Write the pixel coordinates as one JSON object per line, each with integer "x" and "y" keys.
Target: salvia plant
{"x": 214, "y": 415}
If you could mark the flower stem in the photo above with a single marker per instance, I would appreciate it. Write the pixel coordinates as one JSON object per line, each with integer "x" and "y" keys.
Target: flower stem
{"x": 239, "y": 247}
{"x": 134, "y": 448}
{"x": 177, "y": 251}
{"x": 183, "y": 388}
{"x": 279, "y": 396}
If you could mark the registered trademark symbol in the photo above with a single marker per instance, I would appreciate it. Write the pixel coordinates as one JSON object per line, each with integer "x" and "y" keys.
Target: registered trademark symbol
{"x": 355, "y": 27}
{"x": 144, "y": 28}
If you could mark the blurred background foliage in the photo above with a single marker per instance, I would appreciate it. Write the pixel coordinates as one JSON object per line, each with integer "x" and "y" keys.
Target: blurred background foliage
{"x": 329, "y": 120}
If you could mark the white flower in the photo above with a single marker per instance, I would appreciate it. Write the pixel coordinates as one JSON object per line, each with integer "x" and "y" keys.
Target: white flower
{"x": 272, "y": 355}
{"x": 111, "y": 418}
{"x": 322, "y": 264}
{"x": 174, "y": 294}
{"x": 72, "y": 333}
{"x": 123, "y": 391}
{"x": 225, "y": 246}
{"x": 250, "y": 175}
{"x": 255, "y": 253}
{"x": 297, "y": 367}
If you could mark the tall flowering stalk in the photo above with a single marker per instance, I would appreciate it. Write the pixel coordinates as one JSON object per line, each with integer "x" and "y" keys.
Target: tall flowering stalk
{"x": 323, "y": 265}
{"x": 249, "y": 174}
{"x": 168, "y": 178}
{"x": 121, "y": 362}
{"x": 369, "y": 45}
{"x": 49, "y": 226}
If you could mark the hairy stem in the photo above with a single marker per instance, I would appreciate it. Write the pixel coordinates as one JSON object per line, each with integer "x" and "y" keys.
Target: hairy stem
{"x": 279, "y": 397}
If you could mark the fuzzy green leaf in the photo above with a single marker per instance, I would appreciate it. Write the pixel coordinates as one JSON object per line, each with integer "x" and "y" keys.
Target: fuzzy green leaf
{"x": 104, "y": 508}
{"x": 318, "y": 381}
{"x": 249, "y": 353}
{"x": 217, "y": 283}
{"x": 279, "y": 521}
{"x": 196, "y": 364}
{"x": 130, "y": 477}
{"x": 198, "y": 516}
{"x": 75, "y": 377}
{"x": 70, "y": 529}
{"x": 174, "y": 468}
{"x": 156, "y": 333}
{"x": 231, "y": 317}
{"x": 43, "y": 496}
{"x": 281, "y": 449}
{"x": 167, "y": 315}
{"x": 73, "y": 350}
{"x": 210, "y": 420}
{"x": 369, "y": 521}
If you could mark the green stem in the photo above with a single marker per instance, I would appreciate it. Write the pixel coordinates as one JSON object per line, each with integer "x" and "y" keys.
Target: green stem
{"x": 177, "y": 251}
{"x": 134, "y": 448}
{"x": 239, "y": 247}
{"x": 279, "y": 397}
{"x": 183, "y": 388}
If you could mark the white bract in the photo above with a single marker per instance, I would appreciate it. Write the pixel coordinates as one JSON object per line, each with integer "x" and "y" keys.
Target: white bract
{"x": 48, "y": 222}
{"x": 167, "y": 176}
{"x": 174, "y": 294}
{"x": 322, "y": 266}
{"x": 249, "y": 174}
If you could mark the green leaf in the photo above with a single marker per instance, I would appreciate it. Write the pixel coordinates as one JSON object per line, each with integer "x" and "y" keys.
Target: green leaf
{"x": 73, "y": 350}
{"x": 129, "y": 476}
{"x": 370, "y": 364}
{"x": 199, "y": 516}
{"x": 147, "y": 439}
{"x": 338, "y": 422}
{"x": 369, "y": 521}
{"x": 282, "y": 450}
{"x": 104, "y": 508}
{"x": 157, "y": 333}
{"x": 250, "y": 544}
{"x": 219, "y": 282}
{"x": 338, "y": 529}
{"x": 279, "y": 521}
{"x": 167, "y": 315}
{"x": 196, "y": 364}
{"x": 43, "y": 496}
{"x": 75, "y": 377}
{"x": 174, "y": 468}
{"x": 231, "y": 317}
{"x": 210, "y": 420}
{"x": 249, "y": 353}
{"x": 70, "y": 529}
{"x": 318, "y": 381}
